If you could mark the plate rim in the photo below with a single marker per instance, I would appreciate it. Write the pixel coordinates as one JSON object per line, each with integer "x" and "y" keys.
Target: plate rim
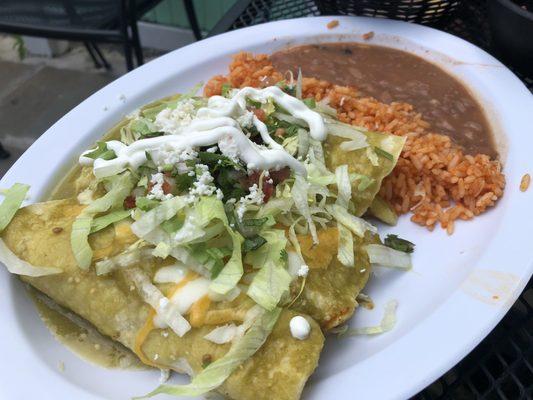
{"x": 447, "y": 357}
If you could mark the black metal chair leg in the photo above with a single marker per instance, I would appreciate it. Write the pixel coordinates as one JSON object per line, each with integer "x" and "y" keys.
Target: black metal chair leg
{"x": 3, "y": 152}
{"x": 128, "y": 55}
{"x": 100, "y": 55}
{"x": 93, "y": 56}
{"x": 137, "y": 43}
{"x": 193, "y": 21}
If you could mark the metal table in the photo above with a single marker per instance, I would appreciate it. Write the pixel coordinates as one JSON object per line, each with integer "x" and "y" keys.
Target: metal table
{"x": 501, "y": 366}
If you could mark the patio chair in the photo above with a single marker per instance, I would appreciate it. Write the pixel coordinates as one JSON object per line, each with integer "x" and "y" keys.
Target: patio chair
{"x": 89, "y": 21}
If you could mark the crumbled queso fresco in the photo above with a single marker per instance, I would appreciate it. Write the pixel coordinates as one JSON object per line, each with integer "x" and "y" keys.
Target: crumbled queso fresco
{"x": 168, "y": 156}
{"x": 254, "y": 197}
{"x": 229, "y": 148}
{"x": 203, "y": 186}
{"x": 157, "y": 188}
{"x": 172, "y": 120}
{"x": 246, "y": 120}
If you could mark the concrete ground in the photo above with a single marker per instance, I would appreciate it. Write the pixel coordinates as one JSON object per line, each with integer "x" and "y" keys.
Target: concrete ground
{"x": 33, "y": 97}
{"x": 36, "y": 91}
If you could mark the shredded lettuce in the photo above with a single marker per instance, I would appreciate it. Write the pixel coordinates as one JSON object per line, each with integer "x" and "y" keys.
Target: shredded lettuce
{"x": 347, "y": 132}
{"x": 165, "y": 309}
{"x": 387, "y": 257}
{"x": 357, "y": 225}
{"x": 344, "y": 187}
{"x": 383, "y": 211}
{"x": 105, "y": 220}
{"x": 299, "y": 84}
{"x": 387, "y": 323}
{"x": 299, "y": 194}
{"x": 270, "y": 251}
{"x": 120, "y": 187}
{"x": 156, "y": 216}
{"x": 289, "y": 119}
{"x": 270, "y": 283}
{"x": 323, "y": 107}
{"x": 345, "y": 252}
{"x": 303, "y": 143}
{"x": 372, "y": 156}
{"x": 218, "y": 371}
{"x": 15, "y": 265}
{"x": 14, "y": 196}
{"x": 133, "y": 255}
{"x": 209, "y": 209}
{"x": 162, "y": 250}
{"x": 222, "y": 334}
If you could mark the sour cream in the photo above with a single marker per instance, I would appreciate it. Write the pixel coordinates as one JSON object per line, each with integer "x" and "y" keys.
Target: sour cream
{"x": 215, "y": 123}
{"x": 300, "y": 328}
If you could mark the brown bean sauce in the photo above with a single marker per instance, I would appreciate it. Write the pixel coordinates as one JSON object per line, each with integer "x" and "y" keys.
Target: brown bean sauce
{"x": 394, "y": 75}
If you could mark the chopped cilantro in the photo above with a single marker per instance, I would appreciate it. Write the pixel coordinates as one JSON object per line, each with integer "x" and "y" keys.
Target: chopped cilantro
{"x": 254, "y": 222}
{"x": 289, "y": 89}
{"x": 151, "y": 134}
{"x": 183, "y": 182}
{"x": 310, "y": 102}
{"x": 284, "y": 255}
{"x": 253, "y": 104}
{"x": 253, "y": 243}
{"x": 226, "y": 87}
{"x": 397, "y": 243}
{"x": 211, "y": 257}
{"x": 217, "y": 161}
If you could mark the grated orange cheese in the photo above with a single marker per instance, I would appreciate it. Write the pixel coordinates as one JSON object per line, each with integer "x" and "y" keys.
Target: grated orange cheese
{"x": 149, "y": 324}
{"x": 198, "y": 311}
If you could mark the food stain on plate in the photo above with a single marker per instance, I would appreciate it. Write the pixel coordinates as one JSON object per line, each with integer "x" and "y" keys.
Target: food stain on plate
{"x": 490, "y": 286}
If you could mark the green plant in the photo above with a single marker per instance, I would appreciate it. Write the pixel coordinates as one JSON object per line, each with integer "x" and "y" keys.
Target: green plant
{"x": 20, "y": 47}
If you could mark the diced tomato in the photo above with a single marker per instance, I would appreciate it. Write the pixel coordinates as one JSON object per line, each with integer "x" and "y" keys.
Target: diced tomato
{"x": 129, "y": 202}
{"x": 253, "y": 178}
{"x": 280, "y": 132}
{"x": 268, "y": 190}
{"x": 269, "y": 183}
{"x": 166, "y": 186}
{"x": 260, "y": 114}
{"x": 280, "y": 176}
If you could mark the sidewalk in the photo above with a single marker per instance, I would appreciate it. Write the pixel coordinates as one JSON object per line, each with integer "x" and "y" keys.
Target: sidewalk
{"x": 33, "y": 97}
{"x": 36, "y": 91}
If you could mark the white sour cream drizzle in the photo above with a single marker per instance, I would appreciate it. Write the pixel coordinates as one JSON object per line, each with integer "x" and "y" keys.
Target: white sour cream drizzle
{"x": 213, "y": 123}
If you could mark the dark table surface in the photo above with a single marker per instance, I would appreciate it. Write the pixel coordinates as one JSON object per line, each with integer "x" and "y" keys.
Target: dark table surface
{"x": 501, "y": 366}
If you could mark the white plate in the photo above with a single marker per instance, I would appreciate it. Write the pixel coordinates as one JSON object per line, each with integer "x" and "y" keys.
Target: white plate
{"x": 447, "y": 302}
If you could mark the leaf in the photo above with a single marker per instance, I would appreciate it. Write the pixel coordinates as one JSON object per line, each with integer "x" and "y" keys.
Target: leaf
{"x": 397, "y": 243}
{"x": 310, "y": 102}
{"x": 225, "y": 90}
{"x": 253, "y": 243}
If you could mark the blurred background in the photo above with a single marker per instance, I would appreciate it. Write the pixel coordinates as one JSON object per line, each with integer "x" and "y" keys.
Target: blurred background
{"x": 55, "y": 53}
